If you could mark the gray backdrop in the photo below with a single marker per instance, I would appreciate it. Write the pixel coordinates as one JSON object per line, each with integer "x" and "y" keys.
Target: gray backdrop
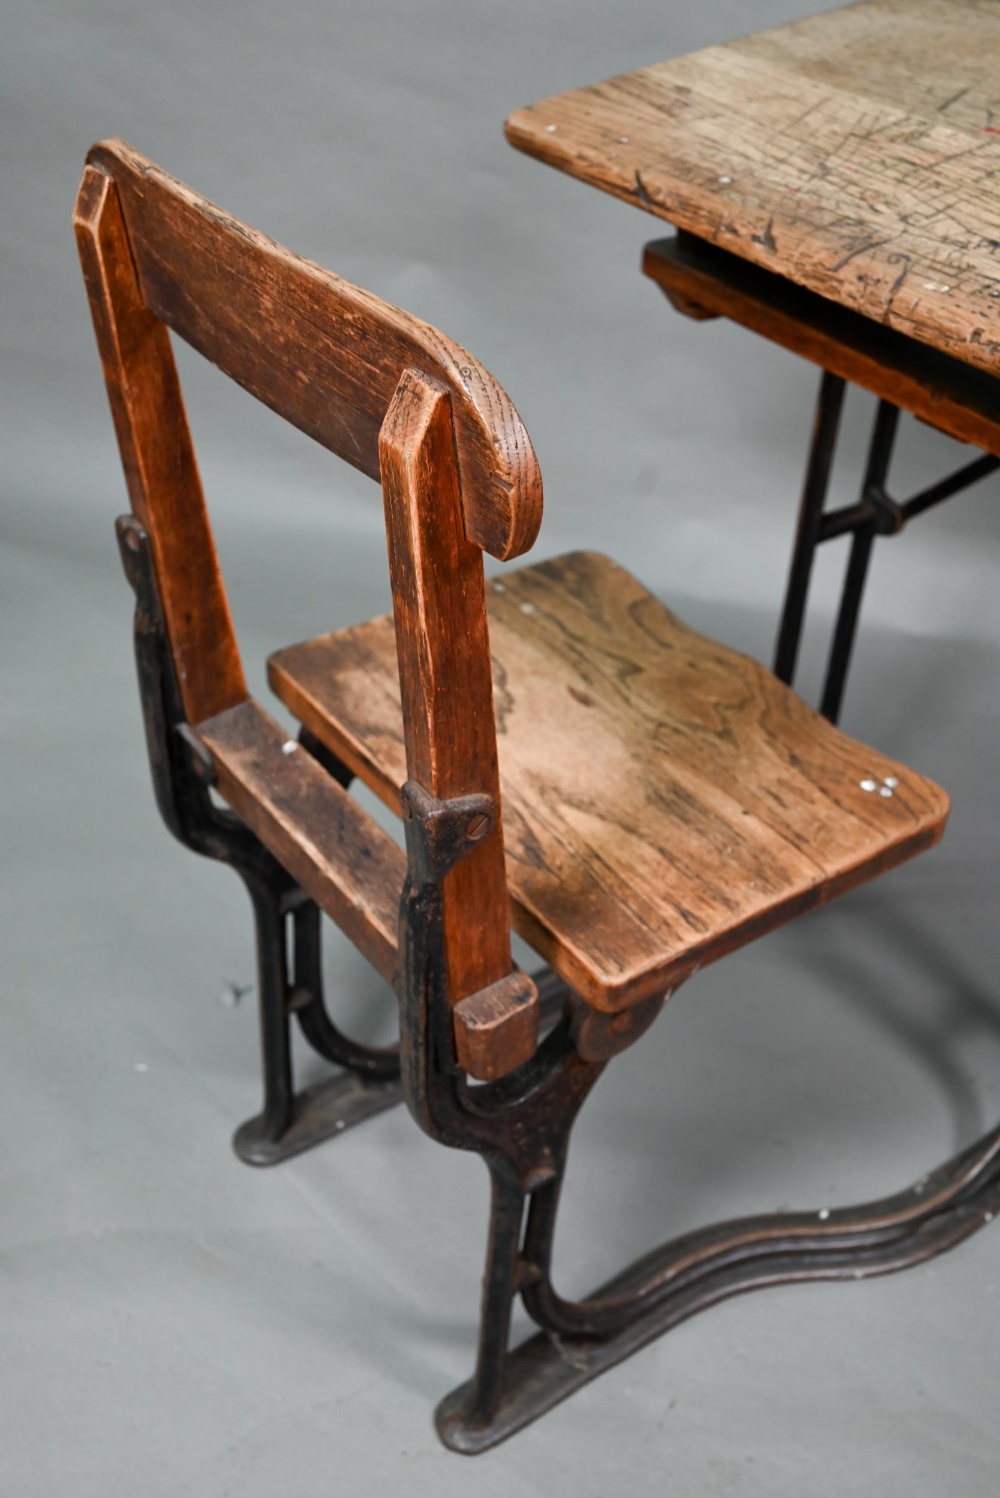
{"x": 174, "y": 1323}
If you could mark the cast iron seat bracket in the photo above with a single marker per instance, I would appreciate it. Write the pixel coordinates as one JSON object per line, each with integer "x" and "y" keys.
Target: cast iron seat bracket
{"x": 289, "y": 974}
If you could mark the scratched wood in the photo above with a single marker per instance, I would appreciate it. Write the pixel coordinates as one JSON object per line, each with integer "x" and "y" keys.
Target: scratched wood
{"x": 351, "y": 867}
{"x": 856, "y": 153}
{"x": 324, "y": 354}
{"x": 443, "y": 654}
{"x": 665, "y": 798}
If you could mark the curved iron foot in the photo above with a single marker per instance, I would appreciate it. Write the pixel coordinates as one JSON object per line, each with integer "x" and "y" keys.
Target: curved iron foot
{"x": 579, "y": 1340}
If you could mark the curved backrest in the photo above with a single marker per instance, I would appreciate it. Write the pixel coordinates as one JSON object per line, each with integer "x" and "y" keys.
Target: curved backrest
{"x": 326, "y": 355}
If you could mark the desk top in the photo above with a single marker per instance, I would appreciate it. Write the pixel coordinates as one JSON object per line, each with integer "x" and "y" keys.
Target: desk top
{"x": 856, "y": 153}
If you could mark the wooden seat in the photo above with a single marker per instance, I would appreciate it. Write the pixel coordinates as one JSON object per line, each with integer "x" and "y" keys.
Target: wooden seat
{"x": 664, "y": 798}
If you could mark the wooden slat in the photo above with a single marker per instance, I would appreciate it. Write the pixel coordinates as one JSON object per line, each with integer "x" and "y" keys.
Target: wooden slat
{"x": 443, "y": 650}
{"x": 160, "y": 467}
{"x": 323, "y": 353}
{"x": 666, "y": 799}
{"x": 856, "y": 153}
{"x": 343, "y": 859}
{"x": 954, "y": 397}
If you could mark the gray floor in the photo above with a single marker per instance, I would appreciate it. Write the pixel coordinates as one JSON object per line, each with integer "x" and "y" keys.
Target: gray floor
{"x": 175, "y": 1323}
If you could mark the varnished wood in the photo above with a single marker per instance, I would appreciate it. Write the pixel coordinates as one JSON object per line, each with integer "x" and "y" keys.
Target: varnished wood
{"x": 443, "y": 653}
{"x": 855, "y": 153}
{"x": 324, "y": 354}
{"x": 337, "y": 853}
{"x": 160, "y": 468}
{"x": 703, "y": 280}
{"x": 665, "y": 799}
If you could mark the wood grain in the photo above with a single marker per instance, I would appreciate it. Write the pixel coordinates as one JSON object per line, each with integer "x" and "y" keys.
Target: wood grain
{"x": 443, "y": 653}
{"x": 160, "y": 468}
{"x": 324, "y": 354}
{"x": 665, "y": 799}
{"x": 330, "y": 845}
{"x": 704, "y": 280}
{"x": 855, "y": 153}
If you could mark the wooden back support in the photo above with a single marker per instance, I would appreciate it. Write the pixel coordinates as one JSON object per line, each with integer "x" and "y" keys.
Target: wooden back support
{"x": 375, "y": 386}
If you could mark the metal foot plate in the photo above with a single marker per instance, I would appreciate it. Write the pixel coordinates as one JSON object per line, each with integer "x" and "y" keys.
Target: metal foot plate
{"x": 321, "y": 1112}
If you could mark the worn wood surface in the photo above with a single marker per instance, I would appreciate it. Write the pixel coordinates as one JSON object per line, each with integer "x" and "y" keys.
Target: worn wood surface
{"x": 703, "y": 280}
{"x": 160, "y": 468}
{"x": 496, "y": 1028}
{"x": 324, "y": 354}
{"x": 443, "y": 653}
{"x": 856, "y": 153}
{"x": 665, "y": 799}
{"x": 330, "y": 845}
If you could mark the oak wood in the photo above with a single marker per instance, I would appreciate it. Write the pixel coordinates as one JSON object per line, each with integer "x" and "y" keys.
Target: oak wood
{"x": 665, "y": 799}
{"x": 160, "y": 468}
{"x": 324, "y": 354}
{"x": 443, "y": 653}
{"x": 329, "y": 844}
{"x": 855, "y": 153}
{"x": 706, "y": 281}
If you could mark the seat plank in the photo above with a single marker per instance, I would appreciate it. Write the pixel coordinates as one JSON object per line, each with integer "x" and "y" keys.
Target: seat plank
{"x": 665, "y": 798}
{"x": 344, "y": 860}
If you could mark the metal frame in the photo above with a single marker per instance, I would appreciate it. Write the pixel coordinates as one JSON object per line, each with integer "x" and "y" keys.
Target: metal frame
{"x": 876, "y": 513}
{"x": 289, "y": 973}
{"x": 520, "y": 1125}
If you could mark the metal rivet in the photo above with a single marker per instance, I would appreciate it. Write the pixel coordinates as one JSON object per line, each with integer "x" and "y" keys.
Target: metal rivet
{"x": 550, "y": 129}
{"x": 499, "y": 588}
{"x": 885, "y": 790}
{"x": 289, "y": 746}
{"x": 527, "y": 608}
{"x": 867, "y": 785}
{"x": 725, "y": 181}
{"x": 824, "y": 1213}
{"x": 623, "y": 140}
{"x": 891, "y": 780}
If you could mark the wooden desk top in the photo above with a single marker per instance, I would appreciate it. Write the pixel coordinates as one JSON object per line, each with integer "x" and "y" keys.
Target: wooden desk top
{"x": 856, "y": 153}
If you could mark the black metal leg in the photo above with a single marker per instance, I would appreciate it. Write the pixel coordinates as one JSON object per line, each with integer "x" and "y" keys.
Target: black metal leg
{"x": 826, "y": 425}
{"x": 847, "y": 624}
{"x": 882, "y": 515}
{"x": 499, "y": 1289}
{"x": 275, "y": 1039}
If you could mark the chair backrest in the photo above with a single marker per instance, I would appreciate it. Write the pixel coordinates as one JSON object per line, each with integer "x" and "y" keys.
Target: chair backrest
{"x": 377, "y": 387}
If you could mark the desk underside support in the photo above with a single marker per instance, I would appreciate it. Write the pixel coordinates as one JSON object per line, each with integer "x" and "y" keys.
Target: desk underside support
{"x": 702, "y": 281}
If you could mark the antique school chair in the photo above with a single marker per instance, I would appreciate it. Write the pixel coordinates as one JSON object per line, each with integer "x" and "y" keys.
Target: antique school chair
{"x": 664, "y": 799}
